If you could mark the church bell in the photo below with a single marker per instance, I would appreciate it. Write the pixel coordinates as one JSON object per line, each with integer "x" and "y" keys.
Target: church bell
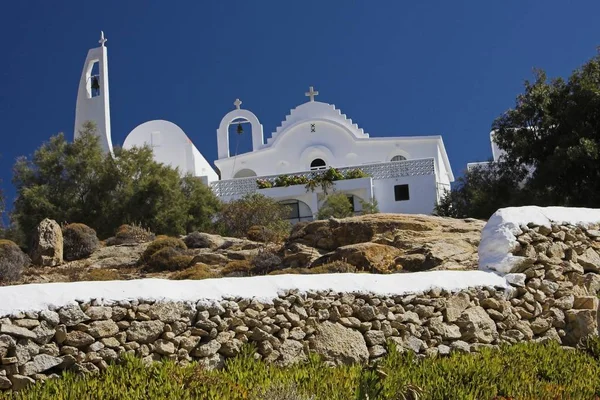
{"x": 240, "y": 130}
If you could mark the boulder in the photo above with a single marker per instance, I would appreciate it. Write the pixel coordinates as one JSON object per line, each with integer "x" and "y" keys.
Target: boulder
{"x": 47, "y": 245}
{"x": 71, "y": 315}
{"x": 589, "y": 260}
{"x": 201, "y": 240}
{"x": 78, "y": 339}
{"x": 292, "y": 352}
{"x": 103, "y": 329}
{"x": 339, "y": 344}
{"x": 580, "y": 324}
{"x": 372, "y": 257}
{"x": 455, "y": 306}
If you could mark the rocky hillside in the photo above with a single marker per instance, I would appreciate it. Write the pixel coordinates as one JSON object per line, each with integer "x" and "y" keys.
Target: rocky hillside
{"x": 377, "y": 243}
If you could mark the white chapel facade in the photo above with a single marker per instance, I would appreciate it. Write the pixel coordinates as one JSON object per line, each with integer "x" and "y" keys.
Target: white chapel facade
{"x": 404, "y": 174}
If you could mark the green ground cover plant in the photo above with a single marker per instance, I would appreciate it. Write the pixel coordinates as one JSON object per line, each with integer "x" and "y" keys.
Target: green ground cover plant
{"x": 523, "y": 371}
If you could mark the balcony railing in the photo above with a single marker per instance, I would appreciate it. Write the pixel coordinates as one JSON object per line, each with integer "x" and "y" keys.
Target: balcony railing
{"x": 395, "y": 169}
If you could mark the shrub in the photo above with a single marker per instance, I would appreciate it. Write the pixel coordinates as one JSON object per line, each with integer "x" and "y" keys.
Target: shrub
{"x": 169, "y": 259}
{"x": 237, "y": 217}
{"x": 355, "y": 174}
{"x": 12, "y": 261}
{"x": 195, "y": 272}
{"x": 237, "y": 268}
{"x": 131, "y": 234}
{"x": 79, "y": 241}
{"x": 160, "y": 243}
{"x": 336, "y": 205}
{"x": 369, "y": 207}
{"x": 262, "y": 234}
{"x": 265, "y": 261}
{"x": 333, "y": 267}
{"x": 100, "y": 274}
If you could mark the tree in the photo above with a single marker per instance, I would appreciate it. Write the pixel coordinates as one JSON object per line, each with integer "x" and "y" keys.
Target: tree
{"x": 336, "y": 205}
{"x": 253, "y": 210}
{"x": 484, "y": 189}
{"x": 77, "y": 182}
{"x": 552, "y": 143}
{"x": 555, "y": 129}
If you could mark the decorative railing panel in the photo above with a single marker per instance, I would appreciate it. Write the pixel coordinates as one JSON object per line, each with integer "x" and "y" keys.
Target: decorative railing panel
{"x": 396, "y": 169}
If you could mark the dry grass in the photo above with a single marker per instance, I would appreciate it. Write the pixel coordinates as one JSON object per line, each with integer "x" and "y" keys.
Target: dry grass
{"x": 196, "y": 272}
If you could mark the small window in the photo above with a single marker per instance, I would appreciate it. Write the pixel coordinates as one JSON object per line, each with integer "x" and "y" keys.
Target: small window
{"x": 401, "y": 192}
{"x": 398, "y": 158}
{"x": 317, "y": 163}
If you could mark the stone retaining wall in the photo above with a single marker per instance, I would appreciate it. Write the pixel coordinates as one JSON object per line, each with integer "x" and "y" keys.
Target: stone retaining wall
{"x": 552, "y": 296}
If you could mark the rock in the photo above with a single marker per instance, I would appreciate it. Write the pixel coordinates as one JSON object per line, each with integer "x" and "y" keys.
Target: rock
{"x": 516, "y": 279}
{"x": 47, "y": 246}
{"x": 455, "y": 306}
{"x": 20, "y": 381}
{"x": 585, "y": 303}
{"x": 377, "y": 351}
{"x": 580, "y": 324}
{"x": 366, "y": 313}
{"x": 26, "y": 323}
{"x": 460, "y": 346}
{"x": 374, "y": 338}
{"x": 164, "y": 347}
{"x": 103, "y": 329}
{"x": 216, "y": 361}
{"x": 78, "y": 339}
{"x": 589, "y": 260}
{"x": 97, "y": 313}
{"x": 372, "y": 257}
{"x": 145, "y": 331}
{"x": 476, "y": 325}
{"x": 231, "y": 348}
{"x": 207, "y": 350}
{"x": 446, "y": 331}
{"x": 17, "y": 331}
{"x": 6, "y": 344}
{"x": 298, "y": 255}
{"x": 443, "y": 350}
{"x": 166, "y": 312}
{"x": 201, "y": 240}
{"x": 25, "y": 350}
{"x": 72, "y": 315}
{"x": 44, "y": 333}
{"x": 40, "y": 363}
{"x": 414, "y": 344}
{"x": 338, "y": 343}
{"x": 50, "y": 317}
{"x": 5, "y": 383}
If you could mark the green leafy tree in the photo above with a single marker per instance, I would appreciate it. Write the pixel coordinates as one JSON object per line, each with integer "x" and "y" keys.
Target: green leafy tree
{"x": 484, "y": 189}
{"x": 336, "y": 205}
{"x": 369, "y": 206}
{"x": 555, "y": 129}
{"x": 552, "y": 143}
{"x": 77, "y": 182}
{"x": 253, "y": 210}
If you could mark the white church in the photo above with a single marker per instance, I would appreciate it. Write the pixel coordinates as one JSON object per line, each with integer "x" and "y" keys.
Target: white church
{"x": 405, "y": 174}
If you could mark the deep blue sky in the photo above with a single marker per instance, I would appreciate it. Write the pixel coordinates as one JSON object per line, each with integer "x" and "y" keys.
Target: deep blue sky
{"x": 394, "y": 67}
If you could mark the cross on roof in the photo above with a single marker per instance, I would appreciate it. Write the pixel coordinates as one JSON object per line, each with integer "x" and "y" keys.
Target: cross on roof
{"x": 237, "y": 103}
{"x": 102, "y": 39}
{"x": 311, "y": 93}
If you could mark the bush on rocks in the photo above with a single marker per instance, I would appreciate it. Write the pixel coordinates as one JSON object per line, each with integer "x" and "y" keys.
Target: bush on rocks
{"x": 79, "y": 241}
{"x": 237, "y": 268}
{"x": 265, "y": 261}
{"x": 333, "y": 267}
{"x": 12, "y": 261}
{"x": 166, "y": 254}
{"x": 131, "y": 234}
{"x": 160, "y": 243}
{"x": 195, "y": 272}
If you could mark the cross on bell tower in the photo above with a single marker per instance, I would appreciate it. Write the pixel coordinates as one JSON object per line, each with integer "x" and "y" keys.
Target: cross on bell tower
{"x": 237, "y": 103}
{"x": 311, "y": 93}
{"x": 102, "y": 39}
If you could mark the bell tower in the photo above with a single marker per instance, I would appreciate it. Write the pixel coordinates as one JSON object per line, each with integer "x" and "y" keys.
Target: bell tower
{"x": 92, "y": 97}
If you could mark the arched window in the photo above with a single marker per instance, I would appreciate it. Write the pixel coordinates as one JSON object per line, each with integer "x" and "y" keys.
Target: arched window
{"x": 244, "y": 173}
{"x": 398, "y": 158}
{"x": 317, "y": 163}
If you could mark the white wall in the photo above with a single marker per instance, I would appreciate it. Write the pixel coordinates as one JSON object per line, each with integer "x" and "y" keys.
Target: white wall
{"x": 171, "y": 146}
{"x": 422, "y": 193}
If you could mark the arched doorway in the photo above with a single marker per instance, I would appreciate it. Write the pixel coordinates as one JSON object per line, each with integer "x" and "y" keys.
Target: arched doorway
{"x": 299, "y": 211}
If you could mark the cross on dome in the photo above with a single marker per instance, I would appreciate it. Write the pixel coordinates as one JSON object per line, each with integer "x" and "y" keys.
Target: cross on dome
{"x": 102, "y": 39}
{"x": 237, "y": 103}
{"x": 311, "y": 93}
